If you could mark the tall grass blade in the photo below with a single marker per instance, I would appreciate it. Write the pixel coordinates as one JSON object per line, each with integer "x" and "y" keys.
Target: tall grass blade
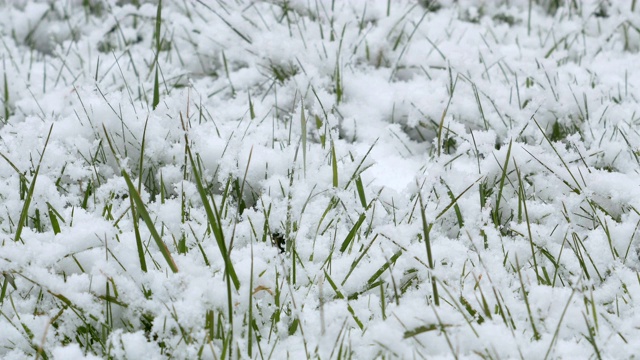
{"x": 578, "y": 188}
{"x": 536, "y": 334}
{"x": 136, "y": 232}
{"x": 142, "y": 211}
{"x": 427, "y": 241}
{"x": 352, "y": 234}
{"x": 557, "y": 331}
{"x": 158, "y": 41}
{"x": 214, "y": 222}
{"x": 361, "y": 194}
{"x": 523, "y": 195}
{"x": 233, "y": 28}
{"x": 6, "y": 95}
{"x": 355, "y": 263}
{"x": 158, "y": 26}
{"x": 53, "y": 218}
{"x": 334, "y": 165}
{"x": 496, "y": 214}
{"x": 156, "y": 91}
{"x": 24, "y": 215}
{"x": 303, "y": 127}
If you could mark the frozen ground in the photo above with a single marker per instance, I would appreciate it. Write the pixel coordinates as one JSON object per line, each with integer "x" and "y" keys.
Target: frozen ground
{"x": 316, "y": 179}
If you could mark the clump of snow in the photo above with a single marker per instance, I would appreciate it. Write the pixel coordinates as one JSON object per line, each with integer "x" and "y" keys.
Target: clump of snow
{"x": 400, "y": 179}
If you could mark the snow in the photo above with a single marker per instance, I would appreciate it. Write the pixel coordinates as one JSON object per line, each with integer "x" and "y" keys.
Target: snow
{"x": 504, "y": 131}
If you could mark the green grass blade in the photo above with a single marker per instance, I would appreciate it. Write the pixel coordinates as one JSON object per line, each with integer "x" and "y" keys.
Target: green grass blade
{"x": 352, "y": 234}
{"x": 158, "y": 25}
{"x": 526, "y": 215}
{"x": 419, "y": 330}
{"x": 334, "y": 165}
{"x": 557, "y": 331}
{"x": 578, "y": 188}
{"x": 452, "y": 88}
{"x": 134, "y": 215}
{"x": 454, "y": 203}
{"x": 252, "y": 112}
{"x": 339, "y": 295}
{"x": 136, "y": 231}
{"x": 233, "y": 28}
{"x": 156, "y": 82}
{"x": 355, "y": 263}
{"x": 384, "y": 267}
{"x": 142, "y": 211}
{"x": 361, "y": 195}
{"x": 333, "y": 285}
{"x": 303, "y": 127}
{"x": 496, "y": 212}
{"x": 214, "y": 222}
{"x": 27, "y": 202}
{"x": 427, "y": 241}
{"x": 55, "y": 225}
{"x": 6, "y": 96}
{"x": 358, "y": 171}
{"x": 156, "y": 91}
{"x": 536, "y": 334}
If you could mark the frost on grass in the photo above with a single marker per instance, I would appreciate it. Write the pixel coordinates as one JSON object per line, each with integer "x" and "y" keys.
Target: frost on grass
{"x": 317, "y": 179}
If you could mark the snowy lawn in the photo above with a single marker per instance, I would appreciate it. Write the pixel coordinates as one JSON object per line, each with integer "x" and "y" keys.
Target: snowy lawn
{"x": 320, "y": 179}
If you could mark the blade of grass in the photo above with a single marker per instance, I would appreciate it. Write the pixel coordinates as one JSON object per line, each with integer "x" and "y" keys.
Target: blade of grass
{"x": 134, "y": 216}
{"x": 361, "y": 194}
{"x": 446, "y": 109}
{"x": 496, "y": 216}
{"x": 358, "y": 171}
{"x": 334, "y": 165}
{"x": 156, "y": 91}
{"x": 536, "y": 334}
{"x": 339, "y": 295}
{"x": 303, "y": 127}
{"x": 142, "y": 212}
{"x": 136, "y": 231}
{"x": 384, "y": 267}
{"x": 233, "y": 28}
{"x": 427, "y": 241}
{"x": 6, "y": 94}
{"x": 156, "y": 82}
{"x": 27, "y": 202}
{"x": 352, "y": 234}
{"x": 53, "y": 218}
{"x": 454, "y": 203}
{"x": 252, "y": 112}
{"x": 355, "y": 263}
{"x": 578, "y": 188}
{"x": 213, "y": 216}
{"x": 555, "y": 333}
{"x": 523, "y": 195}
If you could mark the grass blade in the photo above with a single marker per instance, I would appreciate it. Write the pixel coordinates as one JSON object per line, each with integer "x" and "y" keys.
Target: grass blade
{"x": 27, "y": 202}
{"x": 352, "y": 234}
{"x": 303, "y": 126}
{"x": 214, "y": 221}
{"x": 384, "y": 268}
{"x": 142, "y": 211}
{"x": 536, "y": 334}
{"x": 156, "y": 82}
{"x": 427, "y": 241}
{"x": 156, "y": 91}
{"x": 6, "y": 96}
{"x": 334, "y": 165}
{"x": 496, "y": 212}
{"x": 355, "y": 263}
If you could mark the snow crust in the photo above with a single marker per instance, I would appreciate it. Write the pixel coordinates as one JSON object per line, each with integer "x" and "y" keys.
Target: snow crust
{"x": 508, "y": 128}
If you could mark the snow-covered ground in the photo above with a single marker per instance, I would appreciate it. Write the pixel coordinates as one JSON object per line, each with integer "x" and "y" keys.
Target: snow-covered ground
{"x": 320, "y": 179}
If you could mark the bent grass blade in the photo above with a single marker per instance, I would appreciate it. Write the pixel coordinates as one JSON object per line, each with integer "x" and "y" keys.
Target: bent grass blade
{"x": 142, "y": 211}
